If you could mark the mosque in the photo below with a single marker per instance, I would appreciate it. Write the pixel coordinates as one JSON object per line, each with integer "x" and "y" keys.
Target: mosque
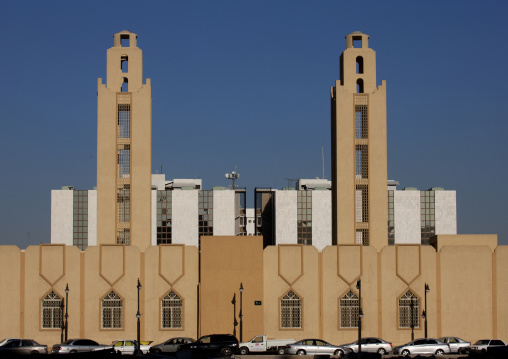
{"x": 311, "y": 260}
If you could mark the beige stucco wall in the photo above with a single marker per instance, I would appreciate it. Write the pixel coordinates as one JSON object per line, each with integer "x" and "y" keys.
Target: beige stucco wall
{"x": 468, "y": 287}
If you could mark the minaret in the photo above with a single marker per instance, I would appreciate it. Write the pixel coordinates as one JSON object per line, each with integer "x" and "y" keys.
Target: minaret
{"x": 359, "y": 156}
{"x": 124, "y": 147}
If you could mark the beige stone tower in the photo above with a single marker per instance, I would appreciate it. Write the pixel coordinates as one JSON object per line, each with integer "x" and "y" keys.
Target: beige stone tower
{"x": 359, "y": 164}
{"x": 124, "y": 147}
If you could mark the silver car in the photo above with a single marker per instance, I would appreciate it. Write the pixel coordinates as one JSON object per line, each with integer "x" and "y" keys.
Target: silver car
{"x": 424, "y": 346}
{"x": 77, "y": 345}
{"x": 316, "y": 346}
{"x": 171, "y": 345}
{"x": 483, "y": 344}
{"x": 457, "y": 345}
{"x": 371, "y": 345}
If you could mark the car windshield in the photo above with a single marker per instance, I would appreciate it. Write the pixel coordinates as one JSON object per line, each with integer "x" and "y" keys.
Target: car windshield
{"x": 482, "y": 342}
{"x": 68, "y": 341}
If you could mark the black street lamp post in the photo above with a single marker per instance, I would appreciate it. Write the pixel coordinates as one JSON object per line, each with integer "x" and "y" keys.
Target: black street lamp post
{"x": 235, "y": 323}
{"x": 138, "y": 315}
{"x": 241, "y": 314}
{"x": 425, "y": 315}
{"x": 62, "y": 326}
{"x": 412, "y": 306}
{"x": 66, "y": 310}
{"x": 360, "y": 316}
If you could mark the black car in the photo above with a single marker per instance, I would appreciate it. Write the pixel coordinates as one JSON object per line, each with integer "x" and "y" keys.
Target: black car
{"x": 225, "y": 344}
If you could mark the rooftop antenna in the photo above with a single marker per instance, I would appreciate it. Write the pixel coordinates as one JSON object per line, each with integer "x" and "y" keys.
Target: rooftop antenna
{"x": 233, "y": 176}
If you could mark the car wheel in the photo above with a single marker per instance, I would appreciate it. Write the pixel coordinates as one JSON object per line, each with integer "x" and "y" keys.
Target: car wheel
{"x": 157, "y": 350}
{"x": 226, "y": 351}
{"x": 300, "y": 352}
{"x": 440, "y": 352}
{"x": 34, "y": 352}
{"x": 244, "y": 350}
{"x": 405, "y": 352}
{"x": 338, "y": 352}
{"x": 73, "y": 351}
{"x": 281, "y": 351}
{"x": 381, "y": 351}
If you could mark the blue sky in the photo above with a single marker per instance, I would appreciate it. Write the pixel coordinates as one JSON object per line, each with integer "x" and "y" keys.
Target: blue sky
{"x": 247, "y": 83}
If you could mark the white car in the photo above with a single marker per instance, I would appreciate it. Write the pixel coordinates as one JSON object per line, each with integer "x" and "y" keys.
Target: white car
{"x": 457, "y": 345}
{"x": 483, "y": 344}
{"x": 128, "y": 347}
{"x": 425, "y": 346}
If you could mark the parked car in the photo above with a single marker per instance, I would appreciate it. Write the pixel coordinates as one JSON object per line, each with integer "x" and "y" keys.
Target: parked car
{"x": 128, "y": 347}
{"x": 171, "y": 345}
{"x": 483, "y": 344}
{"x": 316, "y": 346}
{"x": 3, "y": 341}
{"x": 224, "y": 344}
{"x": 23, "y": 346}
{"x": 77, "y": 345}
{"x": 457, "y": 345}
{"x": 426, "y": 346}
{"x": 371, "y": 345}
{"x": 261, "y": 344}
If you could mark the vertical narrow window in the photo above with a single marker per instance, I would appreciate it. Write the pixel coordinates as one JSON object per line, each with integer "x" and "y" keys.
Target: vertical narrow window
{"x": 362, "y": 163}
{"x": 171, "y": 311}
{"x": 359, "y": 86}
{"x": 391, "y": 218}
{"x": 304, "y": 217}
{"x": 427, "y": 215}
{"x": 348, "y": 309}
{"x": 240, "y": 214}
{"x": 112, "y": 311}
{"x": 80, "y": 219}
{"x": 125, "y": 85}
{"x": 124, "y": 63}
{"x": 205, "y": 213}
{"x": 362, "y": 203}
{"x": 124, "y": 120}
{"x": 361, "y": 121}
{"x": 359, "y": 65}
{"x": 362, "y": 236}
{"x": 164, "y": 217}
{"x": 290, "y": 311}
{"x": 52, "y": 310}
{"x": 124, "y": 161}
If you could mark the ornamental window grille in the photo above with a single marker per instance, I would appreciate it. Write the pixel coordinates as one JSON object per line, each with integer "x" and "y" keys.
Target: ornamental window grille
{"x": 124, "y": 161}
{"x": 291, "y": 311}
{"x": 172, "y": 311}
{"x": 304, "y": 223}
{"x": 362, "y": 236}
{"x": 348, "y": 309}
{"x": 409, "y": 310}
{"x": 362, "y": 161}
{"x": 52, "y": 311}
{"x": 112, "y": 311}
{"x": 362, "y": 203}
{"x": 124, "y": 120}
{"x": 123, "y": 236}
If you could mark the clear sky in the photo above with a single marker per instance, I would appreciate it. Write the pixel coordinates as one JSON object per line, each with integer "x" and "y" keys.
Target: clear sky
{"x": 247, "y": 83}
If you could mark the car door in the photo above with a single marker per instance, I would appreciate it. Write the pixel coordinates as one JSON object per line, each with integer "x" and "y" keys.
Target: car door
{"x": 322, "y": 347}
{"x": 371, "y": 345}
{"x": 419, "y": 346}
{"x": 171, "y": 345}
{"x": 129, "y": 347}
{"x": 454, "y": 344}
{"x": 258, "y": 344}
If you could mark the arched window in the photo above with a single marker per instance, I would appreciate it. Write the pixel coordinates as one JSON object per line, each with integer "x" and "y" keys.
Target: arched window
{"x": 348, "y": 309}
{"x": 409, "y": 310}
{"x": 171, "y": 311}
{"x": 290, "y": 311}
{"x": 359, "y": 65}
{"x": 52, "y": 310}
{"x": 124, "y": 63}
{"x": 125, "y": 85}
{"x": 359, "y": 86}
{"x": 112, "y": 311}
